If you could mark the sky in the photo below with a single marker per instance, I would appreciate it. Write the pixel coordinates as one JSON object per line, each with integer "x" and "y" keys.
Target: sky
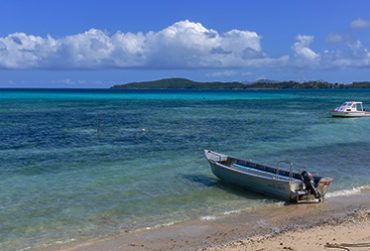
{"x": 95, "y": 44}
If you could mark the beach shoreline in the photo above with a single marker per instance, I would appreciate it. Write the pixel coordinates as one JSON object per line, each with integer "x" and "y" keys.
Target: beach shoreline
{"x": 255, "y": 229}
{"x": 343, "y": 233}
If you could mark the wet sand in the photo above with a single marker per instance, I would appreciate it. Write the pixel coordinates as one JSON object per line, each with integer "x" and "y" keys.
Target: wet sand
{"x": 277, "y": 227}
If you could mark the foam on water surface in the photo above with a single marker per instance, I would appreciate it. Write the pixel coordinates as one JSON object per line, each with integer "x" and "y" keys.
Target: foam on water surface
{"x": 348, "y": 192}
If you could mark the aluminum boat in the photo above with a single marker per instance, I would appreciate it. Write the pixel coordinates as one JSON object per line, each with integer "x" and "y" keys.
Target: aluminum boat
{"x": 272, "y": 181}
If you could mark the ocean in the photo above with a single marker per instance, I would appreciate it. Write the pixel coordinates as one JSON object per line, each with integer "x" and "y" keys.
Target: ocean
{"x": 80, "y": 164}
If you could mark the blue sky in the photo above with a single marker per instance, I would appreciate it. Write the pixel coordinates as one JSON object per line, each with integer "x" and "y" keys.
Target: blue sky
{"x": 100, "y": 43}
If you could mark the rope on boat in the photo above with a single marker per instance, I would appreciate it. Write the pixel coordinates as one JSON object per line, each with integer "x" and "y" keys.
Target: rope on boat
{"x": 346, "y": 246}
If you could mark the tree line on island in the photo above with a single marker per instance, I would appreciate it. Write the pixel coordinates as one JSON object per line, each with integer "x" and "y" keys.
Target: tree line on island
{"x": 183, "y": 83}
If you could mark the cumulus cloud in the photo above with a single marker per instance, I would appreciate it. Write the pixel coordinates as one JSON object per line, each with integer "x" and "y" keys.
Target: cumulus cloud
{"x": 302, "y": 48}
{"x": 352, "y": 53}
{"x": 360, "y": 23}
{"x": 357, "y": 56}
{"x": 184, "y": 44}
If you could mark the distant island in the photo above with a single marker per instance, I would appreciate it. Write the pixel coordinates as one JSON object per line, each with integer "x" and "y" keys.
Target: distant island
{"x": 183, "y": 83}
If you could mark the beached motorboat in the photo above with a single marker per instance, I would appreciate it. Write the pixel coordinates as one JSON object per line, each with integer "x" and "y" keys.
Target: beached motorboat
{"x": 350, "y": 109}
{"x": 273, "y": 181}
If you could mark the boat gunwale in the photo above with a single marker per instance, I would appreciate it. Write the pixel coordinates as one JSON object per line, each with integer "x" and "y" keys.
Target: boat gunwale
{"x": 229, "y": 167}
{"x": 256, "y": 175}
{"x": 274, "y": 175}
{"x": 365, "y": 112}
{"x": 317, "y": 179}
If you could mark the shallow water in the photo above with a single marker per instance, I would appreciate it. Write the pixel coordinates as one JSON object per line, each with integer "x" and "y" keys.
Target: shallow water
{"x": 85, "y": 163}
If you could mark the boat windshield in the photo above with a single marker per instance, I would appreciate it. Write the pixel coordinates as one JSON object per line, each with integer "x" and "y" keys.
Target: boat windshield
{"x": 347, "y": 104}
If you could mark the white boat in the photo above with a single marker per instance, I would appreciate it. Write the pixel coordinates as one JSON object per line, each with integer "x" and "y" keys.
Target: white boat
{"x": 350, "y": 109}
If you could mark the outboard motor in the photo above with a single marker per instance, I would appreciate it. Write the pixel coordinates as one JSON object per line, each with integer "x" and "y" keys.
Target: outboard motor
{"x": 310, "y": 184}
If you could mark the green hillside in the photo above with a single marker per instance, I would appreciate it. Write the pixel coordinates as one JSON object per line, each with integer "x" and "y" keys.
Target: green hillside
{"x": 183, "y": 83}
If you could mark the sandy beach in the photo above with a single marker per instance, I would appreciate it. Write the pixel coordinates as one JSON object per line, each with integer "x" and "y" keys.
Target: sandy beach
{"x": 351, "y": 234}
{"x": 279, "y": 227}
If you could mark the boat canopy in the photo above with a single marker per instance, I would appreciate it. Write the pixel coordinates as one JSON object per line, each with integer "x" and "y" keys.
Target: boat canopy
{"x": 350, "y": 106}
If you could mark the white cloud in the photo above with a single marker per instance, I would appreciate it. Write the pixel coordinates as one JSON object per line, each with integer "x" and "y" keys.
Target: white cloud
{"x": 184, "y": 45}
{"x": 19, "y": 50}
{"x": 360, "y": 23}
{"x": 228, "y": 73}
{"x": 334, "y": 38}
{"x": 354, "y": 55}
{"x": 302, "y": 50}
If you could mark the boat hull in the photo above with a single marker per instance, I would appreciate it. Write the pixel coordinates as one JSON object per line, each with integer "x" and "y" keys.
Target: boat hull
{"x": 268, "y": 180}
{"x": 349, "y": 114}
{"x": 262, "y": 185}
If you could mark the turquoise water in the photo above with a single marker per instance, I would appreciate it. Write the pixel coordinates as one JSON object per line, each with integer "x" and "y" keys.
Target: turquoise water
{"x": 86, "y": 163}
